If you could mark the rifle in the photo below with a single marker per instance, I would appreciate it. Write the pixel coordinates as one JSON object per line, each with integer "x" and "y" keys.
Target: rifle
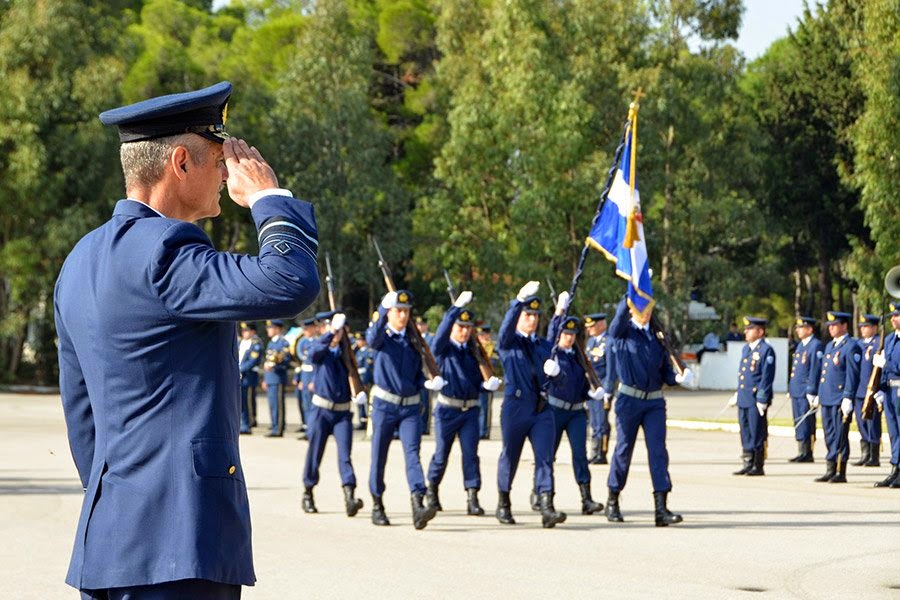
{"x": 412, "y": 332}
{"x": 347, "y": 356}
{"x": 666, "y": 342}
{"x": 474, "y": 344}
{"x": 583, "y": 360}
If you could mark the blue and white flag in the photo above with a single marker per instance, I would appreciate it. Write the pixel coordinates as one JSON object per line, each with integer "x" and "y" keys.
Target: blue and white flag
{"x": 618, "y": 231}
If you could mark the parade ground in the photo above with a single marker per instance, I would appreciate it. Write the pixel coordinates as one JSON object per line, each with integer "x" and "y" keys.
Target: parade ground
{"x": 778, "y": 536}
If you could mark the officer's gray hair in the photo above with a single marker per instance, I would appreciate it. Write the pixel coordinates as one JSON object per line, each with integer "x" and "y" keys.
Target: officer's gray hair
{"x": 144, "y": 162}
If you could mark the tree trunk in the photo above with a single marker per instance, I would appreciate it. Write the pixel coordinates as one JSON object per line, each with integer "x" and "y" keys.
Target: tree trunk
{"x": 824, "y": 284}
{"x": 798, "y": 291}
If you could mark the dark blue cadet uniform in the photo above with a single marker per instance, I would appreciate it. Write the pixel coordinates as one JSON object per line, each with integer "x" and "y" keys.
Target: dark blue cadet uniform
{"x": 869, "y": 429}
{"x": 303, "y": 379}
{"x": 596, "y": 350}
{"x": 248, "y": 363}
{"x": 804, "y": 381}
{"x": 278, "y": 359}
{"x": 890, "y": 385}
{"x": 365, "y": 360}
{"x": 756, "y": 375}
{"x": 839, "y": 379}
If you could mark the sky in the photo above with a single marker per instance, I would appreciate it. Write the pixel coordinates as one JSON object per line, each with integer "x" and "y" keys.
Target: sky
{"x": 764, "y": 22}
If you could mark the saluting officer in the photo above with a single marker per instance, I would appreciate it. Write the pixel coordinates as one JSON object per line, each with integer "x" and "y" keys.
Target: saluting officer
{"x": 838, "y": 383}
{"x": 595, "y": 324}
{"x": 395, "y": 405}
{"x": 278, "y": 359}
{"x": 249, "y": 355}
{"x": 486, "y": 398}
{"x": 641, "y": 367}
{"x": 567, "y": 394}
{"x": 754, "y": 395}
{"x": 365, "y": 360}
{"x": 803, "y": 386}
{"x": 303, "y": 372}
{"x": 869, "y": 429}
{"x": 526, "y": 363}
{"x": 456, "y": 414}
{"x": 330, "y": 414}
{"x": 887, "y": 397}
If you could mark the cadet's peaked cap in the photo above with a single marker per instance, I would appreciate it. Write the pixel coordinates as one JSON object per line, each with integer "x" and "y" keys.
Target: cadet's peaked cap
{"x": 308, "y": 322}
{"x": 532, "y": 305}
{"x": 594, "y": 318}
{"x": 571, "y": 325}
{"x": 275, "y": 323}
{"x": 404, "y": 299}
{"x": 203, "y": 112}
{"x": 834, "y": 317}
{"x": 805, "y": 321}
{"x": 325, "y": 315}
{"x": 755, "y": 322}
{"x": 484, "y": 328}
{"x": 466, "y": 318}
{"x": 894, "y": 308}
{"x": 246, "y": 325}
{"x": 868, "y": 319}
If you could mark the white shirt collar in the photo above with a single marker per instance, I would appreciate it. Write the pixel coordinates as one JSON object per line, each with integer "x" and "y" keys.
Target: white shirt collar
{"x": 753, "y": 345}
{"x": 639, "y": 325}
{"x": 148, "y": 206}
{"x": 531, "y": 337}
{"x": 840, "y": 338}
{"x": 457, "y": 344}
{"x": 805, "y": 341}
{"x": 395, "y": 332}
{"x": 277, "y": 337}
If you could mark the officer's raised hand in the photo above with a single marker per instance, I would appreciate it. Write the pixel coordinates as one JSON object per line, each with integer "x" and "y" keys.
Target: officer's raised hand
{"x": 529, "y": 289}
{"x": 248, "y": 172}
{"x": 463, "y": 299}
{"x": 337, "y": 322}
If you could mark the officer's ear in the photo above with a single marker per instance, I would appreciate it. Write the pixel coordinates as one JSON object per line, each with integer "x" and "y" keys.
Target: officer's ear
{"x": 179, "y": 160}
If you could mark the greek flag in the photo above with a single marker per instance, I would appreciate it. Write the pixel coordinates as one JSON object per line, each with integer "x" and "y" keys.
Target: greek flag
{"x": 618, "y": 230}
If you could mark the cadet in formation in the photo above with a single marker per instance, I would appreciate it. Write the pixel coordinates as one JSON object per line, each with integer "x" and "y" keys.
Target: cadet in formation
{"x": 756, "y": 375}
{"x": 395, "y": 405}
{"x": 526, "y": 363}
{"x": 365, "y": 360}
{"x": 803, "y": 386}
{"x": 249, "y": 357}
{"x": 869, "y": 429}
{"x": 566, "y": 396}
{"x": 887, "y": 396}
{"x": 595, "y": 325}
{"x": 303, "y": 373}
{"x": 486, "y": 398}
{"x": 640, "y": 368}
{"x": 278, "y": 359}
{"x": 156, "y": 407}
{"x": 838, "y": 383}
{"x": 456, "y": 413}
{"x": 330, "y": 414}
{"x": 425, "y": 405}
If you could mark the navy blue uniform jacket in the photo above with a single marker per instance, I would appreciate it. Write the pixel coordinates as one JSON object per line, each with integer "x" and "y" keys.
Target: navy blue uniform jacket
{"x": 806, "y": 368}
{"x": 523, "y": 358}
{"x": 637, "y": 359}
{"x": 330, "y": 375}
{"x": 459, "y": 367}
{"x": 398, "y": 367}
{"x": 756, "y": 375}
{"x": 145, "y": 313}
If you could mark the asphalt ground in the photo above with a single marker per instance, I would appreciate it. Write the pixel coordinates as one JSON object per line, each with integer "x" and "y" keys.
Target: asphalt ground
{"x": 778, "y": 536}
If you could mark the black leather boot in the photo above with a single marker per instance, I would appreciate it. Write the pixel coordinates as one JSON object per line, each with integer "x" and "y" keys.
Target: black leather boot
{"x": 840, "y": 475}
{"x": 604, "y": 445}
{"x": 352, "y": 504}
{"x": 874, "y": 455}
{"x": 431, "y": 496}
{"x": 799, "y": 452}
{"x": 595, "y": 452}
{"x": 747, "y": 457}
{"x": 830, "y": 471}
{"x": 504, "y": 509}
{"x": 613, "y": 514}
{"x": 472, "y": 506}
{"x": 309, "y": 505}
{"x": 662, "y": 513}
{"x": 535, "y": 501}
{"x": 891, "y": 478}
{"x": 549, "y": 517}
{"x": 588, "y": 506}
{"x": 807, "y": 453}
{"x": 421, "y": 514}
{"x": 756, "y": 465}
{"x": 378, "y": 516}
{"x": 864, "y": 454}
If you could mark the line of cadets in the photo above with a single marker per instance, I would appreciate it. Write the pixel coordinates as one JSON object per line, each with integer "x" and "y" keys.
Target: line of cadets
{"x": 831, "y": 379}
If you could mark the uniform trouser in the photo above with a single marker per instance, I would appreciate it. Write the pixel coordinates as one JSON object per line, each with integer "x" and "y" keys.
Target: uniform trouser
{"x": 574, "y": 424}
{"x": 754, "y": 428}
{"x": 485, "y": 401}
{"x": 632, "y": 414}
{"x": 518, "y": 421}
{"x": 275, "y": 394}
{"x": 248, "y": 405}
{"x": 599, "y": 419}
{"x": 448, "y": 424}
{"x": 386, "y": 418}
{"x": 869, "y": 429}
{"x": 425, "y": 410}
{"x": 306, "y": 396}
{"x": 323, "y": 423}
{"x": 805, "y": 429}
{"x": 195, "y": 589}
{"x": 832, "y": 425}
{"x": 892, "y": 416}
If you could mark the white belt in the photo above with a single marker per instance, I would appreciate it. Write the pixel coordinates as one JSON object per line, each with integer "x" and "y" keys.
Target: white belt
{"x": 639, "y": 394}
{"x": 559, "y": 403}
{"x": 894, "y": 383}
{"x": 394, "y": 398}
{"x": 306, "y": 368}
{"x": 463, "y": 405}
{"x": 326, "y": 403}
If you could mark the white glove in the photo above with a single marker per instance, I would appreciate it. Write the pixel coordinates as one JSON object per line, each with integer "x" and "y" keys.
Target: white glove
{"x": 361, "y": 398}
{"x": 879, "y": 399}
{"x": 562, "y": 303}
{"x": 338, "y": 321}
{"x": 492, "y": 384}
{"x": 810, "y": 398}
{"x": 435, "y": 384}
{"x": 686, "y": 378}
{"x": 814, "y": 402}
{"x": 761, "y": 407}
{"x": 878, "y": 360}
{"x": 597, "y": 394}
{"x": 389, "y": 301}
{"x": 529, "y": 289}
{"x": 846, "y": 406}
{"x": 463, "y": 299}
{"x": 551, "y": 368}
{"x": 733, "y": 400}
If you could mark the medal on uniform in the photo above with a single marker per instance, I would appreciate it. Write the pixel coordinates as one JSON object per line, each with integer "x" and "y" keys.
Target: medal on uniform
{"x": 803, "y": 359}
{"x": 837, "y": 359}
